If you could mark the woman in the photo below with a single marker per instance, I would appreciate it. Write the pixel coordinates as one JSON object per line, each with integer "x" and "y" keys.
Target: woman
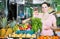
{"x": 48, "y": 20}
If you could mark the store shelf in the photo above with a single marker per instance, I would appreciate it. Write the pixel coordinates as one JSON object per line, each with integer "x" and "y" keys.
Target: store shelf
{"x": 58, "y": 15}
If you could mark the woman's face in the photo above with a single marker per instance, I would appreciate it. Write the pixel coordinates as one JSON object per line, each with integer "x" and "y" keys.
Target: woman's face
{"x": 44, "y": 8}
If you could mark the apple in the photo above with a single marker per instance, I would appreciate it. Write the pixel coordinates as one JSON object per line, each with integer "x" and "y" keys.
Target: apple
{"x": 21, "y": 28}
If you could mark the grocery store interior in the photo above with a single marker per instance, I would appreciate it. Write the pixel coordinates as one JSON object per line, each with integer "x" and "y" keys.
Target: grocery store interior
{"x": 10, "y": 19}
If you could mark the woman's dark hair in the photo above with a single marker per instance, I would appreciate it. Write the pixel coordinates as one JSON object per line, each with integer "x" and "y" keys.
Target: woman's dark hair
{"x": 46, "y": 4}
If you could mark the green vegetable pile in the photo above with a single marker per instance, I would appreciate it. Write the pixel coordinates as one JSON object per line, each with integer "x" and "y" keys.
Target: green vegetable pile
{"x": 36, "y": 24}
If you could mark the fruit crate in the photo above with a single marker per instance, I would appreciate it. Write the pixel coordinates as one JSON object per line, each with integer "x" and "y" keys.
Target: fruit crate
{"x": 16, "y": 38}
{"x": 20, "y": 38}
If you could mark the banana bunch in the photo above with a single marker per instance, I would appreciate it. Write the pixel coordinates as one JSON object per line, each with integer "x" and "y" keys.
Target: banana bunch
{"x": 2, "y": 32}
{"x": 9, "y": 31}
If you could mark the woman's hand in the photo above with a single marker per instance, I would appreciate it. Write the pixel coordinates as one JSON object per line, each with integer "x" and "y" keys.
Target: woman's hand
{"x": 53, "y": 27}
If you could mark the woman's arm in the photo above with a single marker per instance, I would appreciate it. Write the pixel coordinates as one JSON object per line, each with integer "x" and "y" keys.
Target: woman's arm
{"x": 54, "y": 26}
{"x": 24, "y": 21}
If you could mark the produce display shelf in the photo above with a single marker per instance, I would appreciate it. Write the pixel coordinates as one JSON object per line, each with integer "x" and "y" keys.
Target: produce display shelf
{"x": 16, "y": 38}
{"x": 20, "y": 38}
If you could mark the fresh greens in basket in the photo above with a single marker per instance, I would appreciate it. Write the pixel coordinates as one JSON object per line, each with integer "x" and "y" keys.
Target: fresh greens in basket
{"x": 36, "y": 24}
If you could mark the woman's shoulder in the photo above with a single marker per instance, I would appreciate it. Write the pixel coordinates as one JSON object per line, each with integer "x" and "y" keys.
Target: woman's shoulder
{"x": 52, "y": 15}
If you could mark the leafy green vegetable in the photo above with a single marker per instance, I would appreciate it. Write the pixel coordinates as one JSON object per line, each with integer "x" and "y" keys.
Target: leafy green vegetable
{"x": 36, "y": 24}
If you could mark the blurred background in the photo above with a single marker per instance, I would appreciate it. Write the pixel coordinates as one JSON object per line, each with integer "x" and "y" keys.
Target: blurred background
{"x": 11, "y": 8}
